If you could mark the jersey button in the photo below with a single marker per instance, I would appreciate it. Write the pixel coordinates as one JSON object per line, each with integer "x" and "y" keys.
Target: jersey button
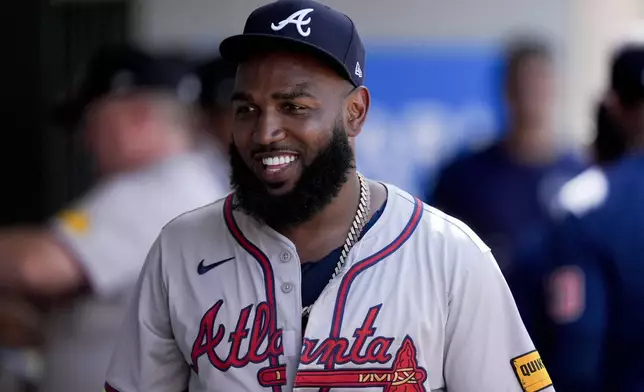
{"x": 285, "y": 256}
{"x": 287, "y": 287}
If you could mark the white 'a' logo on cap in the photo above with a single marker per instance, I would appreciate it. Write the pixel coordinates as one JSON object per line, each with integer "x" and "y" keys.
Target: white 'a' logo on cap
{"x": 297, "y": 18}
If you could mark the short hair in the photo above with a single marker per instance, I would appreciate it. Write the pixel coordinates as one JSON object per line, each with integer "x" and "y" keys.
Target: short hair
{"x": 627, "y": 66}
{"x": 610, "y": 142}
{"x": 522, "y": 49}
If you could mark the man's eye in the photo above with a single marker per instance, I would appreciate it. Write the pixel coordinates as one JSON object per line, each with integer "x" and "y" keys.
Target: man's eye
{"x": 293, "y": 108}
{"x": 243, "y": 110}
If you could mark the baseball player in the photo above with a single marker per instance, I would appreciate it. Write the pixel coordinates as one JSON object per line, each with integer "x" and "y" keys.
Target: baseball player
{"x": 137, "y": 122}
{"x": 309, "y": 276}
{"x": 533, "y": 264}
{"x": 595, "y": 287}
{"x": 504, "y": 191}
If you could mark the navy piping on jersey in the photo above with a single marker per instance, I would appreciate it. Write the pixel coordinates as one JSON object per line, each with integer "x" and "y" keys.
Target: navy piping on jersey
{"x": 269, "y": 278}
{"x": 366, "y": 263}
{"x": 345, "y": 285}
{"x": 109, "y": 388}
{"x": 316, "y": 275}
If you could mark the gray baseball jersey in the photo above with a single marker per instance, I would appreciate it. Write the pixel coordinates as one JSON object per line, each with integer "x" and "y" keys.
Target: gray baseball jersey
{"x": 110, "y": 230}
{"x": 420, "y": 305}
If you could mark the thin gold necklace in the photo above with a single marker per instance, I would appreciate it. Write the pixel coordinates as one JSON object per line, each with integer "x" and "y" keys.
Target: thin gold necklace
{"x": 358, "y": 224}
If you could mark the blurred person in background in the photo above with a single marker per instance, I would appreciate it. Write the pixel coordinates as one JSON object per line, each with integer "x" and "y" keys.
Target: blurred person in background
{"x": 217, "y": 80}
{"x": 136, "y": 115}
{"x": 594, "y": 289}
{"x": 503, "y": 192}
{"x": 532, "y": 261}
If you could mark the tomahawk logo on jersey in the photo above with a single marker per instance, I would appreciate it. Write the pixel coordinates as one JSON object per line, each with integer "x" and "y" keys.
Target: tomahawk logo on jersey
{"x": 421, "y": 305}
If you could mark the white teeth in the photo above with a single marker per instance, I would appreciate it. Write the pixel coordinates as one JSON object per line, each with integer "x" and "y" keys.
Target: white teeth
{"x": 280, "y": 160}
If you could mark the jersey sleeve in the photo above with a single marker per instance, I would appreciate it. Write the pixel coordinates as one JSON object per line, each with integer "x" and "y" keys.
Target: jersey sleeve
{"x": 109, "y": 232}
{"x": 487, "y": 345}
{"x": 577, "y": 310}
{"x": 146, "y": 356}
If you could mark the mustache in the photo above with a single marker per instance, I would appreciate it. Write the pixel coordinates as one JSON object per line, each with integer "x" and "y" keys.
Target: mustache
{"x": 320, "y": 181}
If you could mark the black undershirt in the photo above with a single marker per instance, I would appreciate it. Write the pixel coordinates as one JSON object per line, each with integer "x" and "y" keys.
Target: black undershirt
{"x": 316, "y": 275}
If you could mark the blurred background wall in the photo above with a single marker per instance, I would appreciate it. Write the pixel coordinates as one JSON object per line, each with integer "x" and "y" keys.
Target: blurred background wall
{"x": 46, "y": 41}
{"x": 448, "y": 49}
{"x": 432, "y": 68}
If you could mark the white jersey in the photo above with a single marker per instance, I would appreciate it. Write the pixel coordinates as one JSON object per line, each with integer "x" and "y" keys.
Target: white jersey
{"x": 109, "y": 231}
{"x": 420, "y": 305}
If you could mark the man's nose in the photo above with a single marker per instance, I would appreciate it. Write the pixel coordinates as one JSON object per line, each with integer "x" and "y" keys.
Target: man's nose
{"x": 268, "y": 130}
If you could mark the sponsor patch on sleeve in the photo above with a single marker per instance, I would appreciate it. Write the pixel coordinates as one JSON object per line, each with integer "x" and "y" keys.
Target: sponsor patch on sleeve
{"x": 75, "y": 221}
{"x": 530, "y": 372}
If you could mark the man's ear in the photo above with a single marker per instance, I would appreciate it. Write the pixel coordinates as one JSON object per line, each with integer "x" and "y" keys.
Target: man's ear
{"x": 356, "y": 109}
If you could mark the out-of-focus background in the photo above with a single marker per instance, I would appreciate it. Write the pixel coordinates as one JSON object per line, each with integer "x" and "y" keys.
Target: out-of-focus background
{"x": 433, "y": 70}
{"x": 437, "y": 70}
{"x": 434, "y": 66}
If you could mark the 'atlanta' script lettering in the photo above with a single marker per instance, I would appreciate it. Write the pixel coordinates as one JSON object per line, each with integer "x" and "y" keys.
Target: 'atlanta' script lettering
{"x": 209, "y": 338}
{"x": 339, "y": 351}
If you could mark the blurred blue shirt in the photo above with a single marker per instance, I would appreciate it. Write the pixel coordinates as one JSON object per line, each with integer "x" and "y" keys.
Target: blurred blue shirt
{"x": 596, "y": 286}
{"x": 501, "y": 200}
{"x": 509, "y": 205}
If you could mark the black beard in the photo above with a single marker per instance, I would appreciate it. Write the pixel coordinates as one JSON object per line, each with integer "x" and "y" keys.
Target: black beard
{"x": 318, "y": 185}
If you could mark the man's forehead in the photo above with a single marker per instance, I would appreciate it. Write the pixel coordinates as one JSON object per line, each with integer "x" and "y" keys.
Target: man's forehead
{"x": 289, "y": 69}
{"x": 278, "y": 85}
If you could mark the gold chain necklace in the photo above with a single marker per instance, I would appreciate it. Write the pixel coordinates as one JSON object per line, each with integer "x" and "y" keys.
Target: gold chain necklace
{"x": 359, "y": 222}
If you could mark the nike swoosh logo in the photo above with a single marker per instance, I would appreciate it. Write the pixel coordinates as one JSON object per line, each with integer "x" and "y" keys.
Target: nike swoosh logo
{"x": 202, "y": 269}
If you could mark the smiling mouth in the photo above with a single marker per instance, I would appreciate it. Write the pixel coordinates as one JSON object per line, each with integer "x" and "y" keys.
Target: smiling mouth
{"x": 278, "y": 163}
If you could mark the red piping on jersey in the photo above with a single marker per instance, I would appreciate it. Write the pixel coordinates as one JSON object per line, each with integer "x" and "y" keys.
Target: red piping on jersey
{"x": 264, "y": 263}
{"x": 363, "y": 264}
{"x": 109, "y": 388}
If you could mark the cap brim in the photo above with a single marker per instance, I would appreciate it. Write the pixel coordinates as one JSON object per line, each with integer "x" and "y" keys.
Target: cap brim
{"x": 241, "y": 47}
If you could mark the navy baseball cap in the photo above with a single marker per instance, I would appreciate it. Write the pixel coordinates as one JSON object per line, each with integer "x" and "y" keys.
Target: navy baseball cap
{"x": 125, "y": 68}
{"x": 302, "y": 26}
{"x": 627, "y": 73}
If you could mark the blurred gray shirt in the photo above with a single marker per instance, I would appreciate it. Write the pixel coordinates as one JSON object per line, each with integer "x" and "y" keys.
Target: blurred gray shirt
{"x": 110, "y": 231}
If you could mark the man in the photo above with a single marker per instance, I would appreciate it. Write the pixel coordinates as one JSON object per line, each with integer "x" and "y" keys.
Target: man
{"x": 138, "y": 123}
{"x": 532, "y": 261}
{"x": 309, "y": 275}
{"x": 504, "y": 191}
{"x": 595, "y": 286}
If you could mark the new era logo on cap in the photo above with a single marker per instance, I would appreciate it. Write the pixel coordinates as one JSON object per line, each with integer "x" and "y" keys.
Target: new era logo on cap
{"x": 302, "y": 25}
